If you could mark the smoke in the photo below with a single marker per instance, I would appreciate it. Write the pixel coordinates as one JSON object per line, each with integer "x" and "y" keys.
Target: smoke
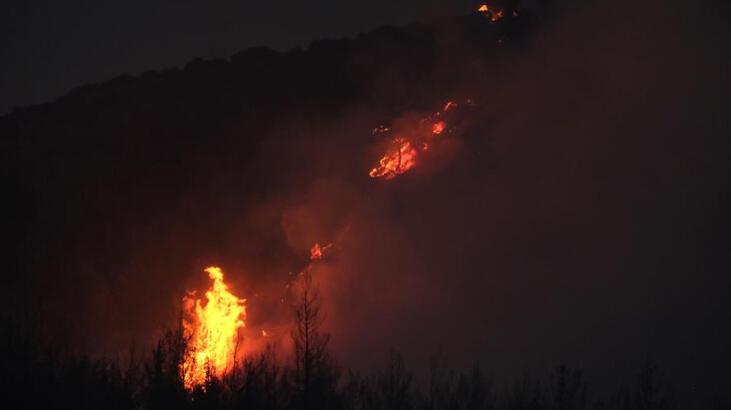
{"x": 578, "y": 216}
{"x": 579, "y": 222}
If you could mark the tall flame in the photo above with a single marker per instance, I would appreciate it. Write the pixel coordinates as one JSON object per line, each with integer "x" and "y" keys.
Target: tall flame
{"x": 211, "y": 330}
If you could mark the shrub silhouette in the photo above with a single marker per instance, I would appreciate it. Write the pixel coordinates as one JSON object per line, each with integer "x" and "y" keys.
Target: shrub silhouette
{"x": 37, "y": 376}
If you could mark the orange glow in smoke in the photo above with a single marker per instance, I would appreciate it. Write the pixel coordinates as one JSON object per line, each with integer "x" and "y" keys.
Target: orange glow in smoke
{"x": 211, "y": 331}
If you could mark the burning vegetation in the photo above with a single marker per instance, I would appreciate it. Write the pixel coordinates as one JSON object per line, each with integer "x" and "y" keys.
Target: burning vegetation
{"x": 408, "y": 147}
{"x": 212, "y": 331}
{"x": 211, "y": 328}
{"x": 400, "y": 158}
{"x": 498, "y": 10}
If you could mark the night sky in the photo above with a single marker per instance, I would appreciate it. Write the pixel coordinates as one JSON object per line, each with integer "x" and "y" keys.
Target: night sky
{"x": 577, "y": 214}
{"x": 48, "y": 47}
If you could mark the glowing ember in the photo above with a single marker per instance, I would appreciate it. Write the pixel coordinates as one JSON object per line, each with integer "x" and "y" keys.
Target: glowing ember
{"x": 491, "y": 13}
{"x": 211, "y": 331}
{"x": 438, "y": 127}
{"x": 379, "y": 130}
{"x": 449, "y": 105}
{"x": 401, "y": 159}
{"x": 317, "y": 251}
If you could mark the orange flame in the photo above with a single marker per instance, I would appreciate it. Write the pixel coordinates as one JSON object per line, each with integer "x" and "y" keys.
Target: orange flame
{"x": 401, "y": 159}
{"x": 317, "y": 251}
{"x": 212, "y": 331}
{"x": 401, "y": 155}
{"x": 438, "y": 127}
{"x": 493, "y": 14}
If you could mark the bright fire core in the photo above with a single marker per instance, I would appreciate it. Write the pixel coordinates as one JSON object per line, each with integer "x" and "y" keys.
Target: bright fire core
{"x": 211, "y": 331}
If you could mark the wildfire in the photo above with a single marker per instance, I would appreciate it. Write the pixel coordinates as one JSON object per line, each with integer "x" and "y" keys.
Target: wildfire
{"x": 400, "y": 159}
{"x": 405, "y": 149}
{"x": 211, "y": 331}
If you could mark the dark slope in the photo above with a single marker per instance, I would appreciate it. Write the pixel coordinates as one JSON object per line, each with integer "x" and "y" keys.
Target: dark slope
{"x": 140, "y": 167}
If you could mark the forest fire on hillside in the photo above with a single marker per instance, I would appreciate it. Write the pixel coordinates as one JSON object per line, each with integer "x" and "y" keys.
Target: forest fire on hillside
{"x": 212, "y": 327}
{"x": 227, "y": 232}
{"x": 404, "y": 150}
{"x": 211, "y": 331}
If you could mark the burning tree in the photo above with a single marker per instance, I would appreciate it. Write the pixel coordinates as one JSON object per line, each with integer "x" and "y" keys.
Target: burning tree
{"x": 211, "y": 330}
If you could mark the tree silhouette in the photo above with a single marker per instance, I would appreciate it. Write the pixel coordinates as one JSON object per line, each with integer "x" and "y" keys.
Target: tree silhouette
{"x": 314, "y": 372}
{"x": 652, "y": 393}
{"x": 164, "y": 384}
{"x": 395, "y": 384}
{"x": 567, "y": 390}
{"x": 525, "y": 394}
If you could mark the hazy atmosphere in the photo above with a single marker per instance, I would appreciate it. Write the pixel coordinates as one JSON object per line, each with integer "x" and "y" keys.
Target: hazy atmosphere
{"x": 523, "y": 186}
